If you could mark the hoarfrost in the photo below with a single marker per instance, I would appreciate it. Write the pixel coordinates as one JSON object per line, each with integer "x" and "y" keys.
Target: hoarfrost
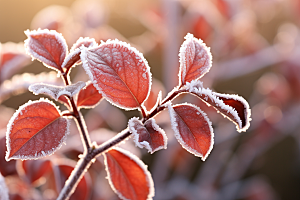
{"x": 56, "y": 91}
{"x": 36, "y": 50}
{"x": 83, "y": 42}
{"x": 147, "y": 135}
{"x": 194, "y": 54}
{"x": 213, "y": 99}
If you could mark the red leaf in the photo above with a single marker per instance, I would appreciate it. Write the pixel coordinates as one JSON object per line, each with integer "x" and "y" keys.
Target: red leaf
{"x": 192, "y": 129}
{"x": 148, "y": 135}
{"x": 74, "y": 56}
{"x": 33, "y": 170}
{"x": 231, "y": 106}
{"x": 71, "y": 59}
{"x": 195, "y": 59}
{"x": 119, "y": 72}
{"x": 35, "y": 130}
{"x": 128, "y": 176}
{"x": 47, "y": 46}
{"x": 56, "y": 91}
{"x": 88, "y": 97}
{"x": 240, "y": 106}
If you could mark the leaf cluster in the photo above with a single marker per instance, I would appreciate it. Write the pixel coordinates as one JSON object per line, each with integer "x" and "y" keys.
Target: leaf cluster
{"x": 120, "y": 74}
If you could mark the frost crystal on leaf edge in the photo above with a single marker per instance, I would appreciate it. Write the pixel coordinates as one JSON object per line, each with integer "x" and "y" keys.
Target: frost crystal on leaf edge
{"x": 56, "y": 91}
{"x": 197, "y": 88}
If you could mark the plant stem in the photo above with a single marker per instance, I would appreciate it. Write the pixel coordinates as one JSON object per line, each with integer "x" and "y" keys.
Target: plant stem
{"x": 91, "y": 152}
{"x": 112, "y": 142}
{"x": 174, "y": 93}
{"x": 75, "y": 177}
{"x": 85, "y": 162}
{"x": 78, "y": 118}
{"x": 81, "y": 124}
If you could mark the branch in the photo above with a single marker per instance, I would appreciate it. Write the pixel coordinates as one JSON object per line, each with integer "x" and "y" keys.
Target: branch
{"x": 75, "y": 177}
{"x": 92, "y": 152}
{"x": 78, "y": 118}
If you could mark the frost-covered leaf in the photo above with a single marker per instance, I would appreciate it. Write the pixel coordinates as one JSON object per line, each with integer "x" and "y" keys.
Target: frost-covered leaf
{"x": 56, "y": 91}
{"x": 148, "y": 135}
{"x": 119, "y": 72}
{"x": 238, "y": 105}
{"x": 3, "y": 189}
{"x": 35, "y": 130}
{"x": 12, "y": 58}
{"x": 86, "y": 42}
{"x": 33, "y": 170}
{"x": 231, "y": 106}
{"x": 128, "y": 175}
{"x": 72, "y": 59}
{"x": 74, "y": 56}
{"x": 47, "y": 46}
{"x": 88, "y": 97}
{"x": 195, "y": 59}
{"x": 192, "y": 129}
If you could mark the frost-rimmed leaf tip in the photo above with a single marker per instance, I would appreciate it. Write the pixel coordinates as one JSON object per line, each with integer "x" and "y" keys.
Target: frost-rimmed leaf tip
{"x": 83, "y": 42}
{"x": 233, "y": 107}
{"x": 36, "y": 130}
{"x": 119, "y": 72}
{"x": 195, "y": 59}
{"x": 47, "y": 46}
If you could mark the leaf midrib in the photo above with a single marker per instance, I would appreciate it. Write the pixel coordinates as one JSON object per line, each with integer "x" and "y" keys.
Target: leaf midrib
{"x": 36, "y": 134}
{"x": 109, "y": 65}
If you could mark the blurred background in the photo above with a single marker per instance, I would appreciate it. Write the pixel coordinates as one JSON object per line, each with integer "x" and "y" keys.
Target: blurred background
{"x": 255, "y": 51}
